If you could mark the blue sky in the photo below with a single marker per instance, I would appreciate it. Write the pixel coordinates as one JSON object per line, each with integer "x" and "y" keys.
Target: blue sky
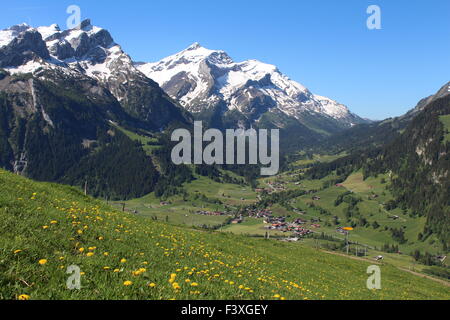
{"x": 323, "y": 44}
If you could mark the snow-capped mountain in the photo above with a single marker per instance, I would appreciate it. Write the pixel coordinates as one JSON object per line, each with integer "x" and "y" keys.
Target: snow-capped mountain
{"x": 89, "y": 51}
{"x": 205, "y": 82}
{"x": 201, "y": 78}
{"x": 65, "y": 97}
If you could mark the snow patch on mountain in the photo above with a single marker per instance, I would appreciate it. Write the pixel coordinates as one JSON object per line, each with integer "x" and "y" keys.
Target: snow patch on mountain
{"x": 30, "y": 67}
{"x": 49, "y": 31}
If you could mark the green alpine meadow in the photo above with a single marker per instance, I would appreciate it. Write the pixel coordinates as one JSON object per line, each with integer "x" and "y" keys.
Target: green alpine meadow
{"x": 48, "y": 227}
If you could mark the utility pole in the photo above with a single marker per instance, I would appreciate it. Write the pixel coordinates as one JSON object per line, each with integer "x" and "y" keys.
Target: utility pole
{"x": 346, "y": 240}
{"x": 85, "y": 187}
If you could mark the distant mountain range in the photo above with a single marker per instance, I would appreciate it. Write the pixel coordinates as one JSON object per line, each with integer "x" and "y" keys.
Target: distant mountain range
{"x": 203, "y": 80}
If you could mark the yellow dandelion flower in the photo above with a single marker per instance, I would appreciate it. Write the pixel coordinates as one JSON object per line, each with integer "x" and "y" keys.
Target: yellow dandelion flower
{"x": 43, "y": 261}
{"x": 194, "y": 284}
{"x": 127, "y": 283}
{"x": 176, "y": 286}
{"x": 17, "y": 251}
{"x": 123, "y": 260}
{"x": 152, "y": 285}
{"x": 90, "y": 254}
{"x": 24, "y": 297}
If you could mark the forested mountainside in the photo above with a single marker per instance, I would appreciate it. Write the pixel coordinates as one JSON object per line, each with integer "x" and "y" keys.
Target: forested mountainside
{"x": 58, "y": 131}
{"x": 420, "y": 164}
{"x": 418, "y": 161}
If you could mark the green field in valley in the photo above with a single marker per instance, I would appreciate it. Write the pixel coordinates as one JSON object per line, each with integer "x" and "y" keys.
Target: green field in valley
{"x": 182, "y": 210}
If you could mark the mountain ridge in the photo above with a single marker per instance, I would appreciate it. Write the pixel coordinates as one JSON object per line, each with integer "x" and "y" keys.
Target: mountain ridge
{"x": 91, "y": 51}
{"x": 201, "y": 79}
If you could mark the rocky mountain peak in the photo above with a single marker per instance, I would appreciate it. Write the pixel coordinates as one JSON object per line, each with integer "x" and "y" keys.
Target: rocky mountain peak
{"x": 24, "y": 47}
{"x": 194, "y": 46}
{"x": 19, "y": 27}
{"x": 86, "y": 25}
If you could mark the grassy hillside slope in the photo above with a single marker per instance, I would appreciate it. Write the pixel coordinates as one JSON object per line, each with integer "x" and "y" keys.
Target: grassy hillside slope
{"x": 47, "y": 227}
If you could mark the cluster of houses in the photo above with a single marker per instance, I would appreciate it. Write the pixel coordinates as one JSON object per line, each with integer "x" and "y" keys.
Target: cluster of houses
{"x": 280, "y": 224}
{"x": 259, "y": 213}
